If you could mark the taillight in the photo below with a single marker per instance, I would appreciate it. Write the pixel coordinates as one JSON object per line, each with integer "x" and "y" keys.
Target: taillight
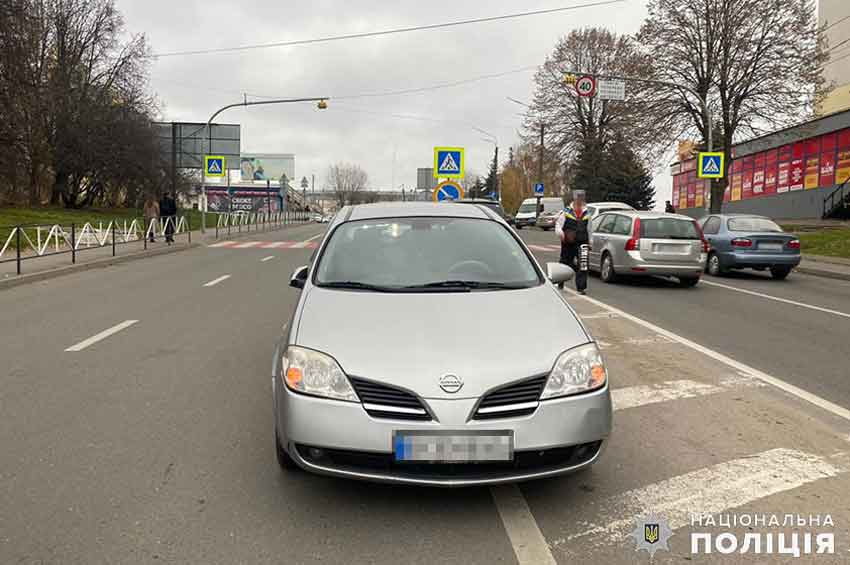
{"x": 794, "y": 244}
{"x": 705, "y": 246}
{"x": 742, "y": 242}
{"x": 633, "y": 244}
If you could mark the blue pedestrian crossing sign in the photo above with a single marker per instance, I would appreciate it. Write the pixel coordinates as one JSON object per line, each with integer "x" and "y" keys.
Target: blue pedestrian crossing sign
{"x": 710, "y": 165}
{"x": 448, "y": 162}
{"x": 539, "y": 189}
{"x": 448, "y": 190}
{"x": 214, "y": 166}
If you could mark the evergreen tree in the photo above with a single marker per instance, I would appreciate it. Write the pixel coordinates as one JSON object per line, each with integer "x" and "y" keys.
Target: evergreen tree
{"x": 613, "y": 173}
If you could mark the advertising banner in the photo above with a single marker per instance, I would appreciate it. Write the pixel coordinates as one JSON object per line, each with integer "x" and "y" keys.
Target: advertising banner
{"x": 796, "y": 175}
{"x": 747, "y": 185}
{"x": 218, "y": 200}
{"x": 783, "y": 177}
{"x": 827, "y": 169}
{"x": 267, "y": 166}
{"x": 842, "y": 170}
{"x": 737, "y": 181}
{"x": 812, "y": 172}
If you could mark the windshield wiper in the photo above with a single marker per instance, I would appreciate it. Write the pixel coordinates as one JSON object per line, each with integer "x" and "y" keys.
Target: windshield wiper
{"x": 355, "y": 285}
{"x": 468, "y": 285}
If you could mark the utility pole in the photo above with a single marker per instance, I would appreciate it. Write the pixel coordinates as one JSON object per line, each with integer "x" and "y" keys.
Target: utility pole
{"x": 540, "y": 164}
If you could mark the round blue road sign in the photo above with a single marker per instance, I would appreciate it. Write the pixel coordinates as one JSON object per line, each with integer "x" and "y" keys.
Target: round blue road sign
{"x": 448, "y": 191}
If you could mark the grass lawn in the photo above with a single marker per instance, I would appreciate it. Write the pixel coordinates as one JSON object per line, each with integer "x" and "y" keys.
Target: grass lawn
{"x": 11, "y": 217}
{"x": 832, "y": 242}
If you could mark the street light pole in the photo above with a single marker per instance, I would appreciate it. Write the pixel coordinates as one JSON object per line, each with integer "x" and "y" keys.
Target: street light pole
{"x": 495, "y": 141}
{"x": 322, "y": 103}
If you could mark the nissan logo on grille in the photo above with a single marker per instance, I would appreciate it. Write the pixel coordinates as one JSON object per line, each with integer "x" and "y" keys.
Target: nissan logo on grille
{"x": 451, "y": 383}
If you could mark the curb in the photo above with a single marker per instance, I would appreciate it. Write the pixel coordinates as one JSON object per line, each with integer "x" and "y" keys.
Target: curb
{"x": 20, "y": 280}
{"x": 823, "y": 273}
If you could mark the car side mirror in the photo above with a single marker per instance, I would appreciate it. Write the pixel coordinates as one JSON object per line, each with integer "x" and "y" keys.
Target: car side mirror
{"x": 299, "y": 277}
{"x": 559, "y": 273}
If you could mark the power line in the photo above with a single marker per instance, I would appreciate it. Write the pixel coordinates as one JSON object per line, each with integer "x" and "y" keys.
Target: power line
{"x": 330, "y": 38}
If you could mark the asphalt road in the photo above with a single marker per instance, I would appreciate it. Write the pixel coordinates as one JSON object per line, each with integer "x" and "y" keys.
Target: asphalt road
{"x": 151, "y": 440}
{"x": 795, "y": 342}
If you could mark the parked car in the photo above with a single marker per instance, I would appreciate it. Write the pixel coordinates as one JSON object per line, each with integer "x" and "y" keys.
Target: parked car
{"x": 526, "y": 215}
{"x": 544, "y": 216}
{"x": 596, "y": 208}
{"x": 635, "y": 243}
{"x": 358, "y": 398}
{"x": 741, "y": 241}
{"x": 491, "y": 204}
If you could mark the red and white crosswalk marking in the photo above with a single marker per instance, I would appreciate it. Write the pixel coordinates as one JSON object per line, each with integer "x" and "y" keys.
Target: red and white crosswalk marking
{"x": 266, "y": 245}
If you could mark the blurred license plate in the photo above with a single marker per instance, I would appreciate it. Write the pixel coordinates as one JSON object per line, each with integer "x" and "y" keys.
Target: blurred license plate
{"x": 770, "y": 246}
{"x": 453, "y": 447}
{"x": 671, "y": 248}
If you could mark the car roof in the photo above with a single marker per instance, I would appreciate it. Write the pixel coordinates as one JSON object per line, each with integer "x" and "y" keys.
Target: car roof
{"x": 740, "y": 215}
{"x": 411, "y": 209}
{"x": 647, "y": 214}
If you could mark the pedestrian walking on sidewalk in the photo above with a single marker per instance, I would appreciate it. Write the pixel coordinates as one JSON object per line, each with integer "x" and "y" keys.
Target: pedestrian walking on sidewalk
{"x": 571, "y": 227}
{"x": 151, "y": 214}
{"x": 168, "y": 215}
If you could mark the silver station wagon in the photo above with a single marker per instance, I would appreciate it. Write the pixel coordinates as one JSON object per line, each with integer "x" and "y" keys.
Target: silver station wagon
{"x": 632, "y": 243}
{"x": 398, "y": 365}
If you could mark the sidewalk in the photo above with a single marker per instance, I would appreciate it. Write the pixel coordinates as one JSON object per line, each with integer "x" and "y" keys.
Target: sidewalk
{"x": 50, "y": 266}
{"x": 822, "y": 266}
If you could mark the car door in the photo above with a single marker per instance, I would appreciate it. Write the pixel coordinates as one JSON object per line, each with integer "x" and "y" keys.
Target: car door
{"x": 711, "y": 230}
{"x": 621, "y": 231}
{"x": 600, "y": 232}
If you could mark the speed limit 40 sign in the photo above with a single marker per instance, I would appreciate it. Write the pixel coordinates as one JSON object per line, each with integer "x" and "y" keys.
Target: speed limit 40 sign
{"x": 586, "y": 86}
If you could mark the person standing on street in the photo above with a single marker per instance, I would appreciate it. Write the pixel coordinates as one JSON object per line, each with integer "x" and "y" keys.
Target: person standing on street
{"x": 151, "y": 213}
{"x": 571, "y": 227}
{"x": 669, "y": 208}
{"x": 168, "y": 212}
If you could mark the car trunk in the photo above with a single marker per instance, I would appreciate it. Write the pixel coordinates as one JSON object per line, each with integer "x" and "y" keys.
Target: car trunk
{"x": 764, "y": 243}
{"x": 669, "y": 240}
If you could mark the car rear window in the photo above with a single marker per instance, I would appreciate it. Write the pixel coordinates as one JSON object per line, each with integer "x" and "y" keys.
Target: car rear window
{"x": 668, "y": 228}
{"x": 754, "y": 224}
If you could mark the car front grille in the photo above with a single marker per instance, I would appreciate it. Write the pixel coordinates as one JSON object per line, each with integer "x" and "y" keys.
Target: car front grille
{"x": 517, "y": 399}
{"x": 384, "y": 401}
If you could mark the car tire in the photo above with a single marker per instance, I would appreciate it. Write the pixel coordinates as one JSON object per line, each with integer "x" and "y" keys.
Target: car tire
{"x": 780, "y": 273}
{"x": 606, "y": 271}
{"x": 286, "y": 462}
{"x": 713, "y": 266}
{"x": 688, "y": 282}
{"x": 518, "y": 227}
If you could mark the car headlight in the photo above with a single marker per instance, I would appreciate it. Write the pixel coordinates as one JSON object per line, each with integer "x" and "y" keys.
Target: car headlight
{"x": 312, "y": 372}
{"x": 580, "y": 369}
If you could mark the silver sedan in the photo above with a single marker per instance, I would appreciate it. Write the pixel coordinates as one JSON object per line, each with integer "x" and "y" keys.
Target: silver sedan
{"x": 406, "y": 361}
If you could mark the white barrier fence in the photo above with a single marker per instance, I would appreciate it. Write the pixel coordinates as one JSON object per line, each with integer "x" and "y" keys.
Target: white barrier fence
{"x": 44, "y": 240}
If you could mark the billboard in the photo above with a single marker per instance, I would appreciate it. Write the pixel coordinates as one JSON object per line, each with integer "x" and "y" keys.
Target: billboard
{"x": 267, "y": 166}
{"x": 189, "y": 142}
{"x": 243, "y": 200}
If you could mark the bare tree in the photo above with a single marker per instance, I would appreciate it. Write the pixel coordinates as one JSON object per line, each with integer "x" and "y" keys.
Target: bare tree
{"x": 570, "y": 120}
{"x": 756, "y": 62}
{"x": 346, "y": 181}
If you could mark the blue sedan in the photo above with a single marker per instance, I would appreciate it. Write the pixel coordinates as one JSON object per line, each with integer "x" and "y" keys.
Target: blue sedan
{"x": 740, "y": 241}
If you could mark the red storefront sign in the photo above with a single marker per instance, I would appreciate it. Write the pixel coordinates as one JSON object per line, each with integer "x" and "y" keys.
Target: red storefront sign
{"x": 783, "y": 177}
{"x": 770, "y": 172}
{"x": 758, "y": 174}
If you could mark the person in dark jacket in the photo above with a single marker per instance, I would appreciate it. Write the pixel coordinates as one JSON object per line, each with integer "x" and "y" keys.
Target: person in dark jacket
{"x": 669, "y": 208}
{"x": 168, "y": 212}
{"x": 571, "y": 227}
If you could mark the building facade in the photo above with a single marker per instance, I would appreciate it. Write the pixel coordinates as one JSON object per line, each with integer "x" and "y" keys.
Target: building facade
{"x": 787, "y": 174}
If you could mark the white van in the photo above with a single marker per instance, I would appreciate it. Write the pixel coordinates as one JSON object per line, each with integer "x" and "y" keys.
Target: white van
{"x": 527, "y": 213}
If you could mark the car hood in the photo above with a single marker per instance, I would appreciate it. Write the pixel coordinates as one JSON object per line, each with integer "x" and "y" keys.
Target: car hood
{"x": 487, "y": 338}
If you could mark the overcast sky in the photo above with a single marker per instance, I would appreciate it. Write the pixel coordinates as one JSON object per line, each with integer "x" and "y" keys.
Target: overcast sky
{"x": 360, "y": 129}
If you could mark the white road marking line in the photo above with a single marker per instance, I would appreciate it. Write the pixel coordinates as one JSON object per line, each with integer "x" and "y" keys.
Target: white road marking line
{"x": 216, "y": 281}
{"x": 743, "y": 368}
{"x": 223, "y": 244}
{"x": 102, "y": 335}
{"x": 776, "y": 298}
{"x": 300, "y": 245}
{"x": 248, "y": 244}
{"x": 709, "y": 490}
{"x": 526, "y": 539}
{"x": 269, "y": 258}
{"x": 642, "y": 395}
{"x": 314, "y": 237}
{"x": 598, "y": 315}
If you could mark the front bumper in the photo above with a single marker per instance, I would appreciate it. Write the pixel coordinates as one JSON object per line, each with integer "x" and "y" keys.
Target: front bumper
{"x": 522, "y": 222}
{"x": 545, "y": 222}
{"x": 563, "y": 435}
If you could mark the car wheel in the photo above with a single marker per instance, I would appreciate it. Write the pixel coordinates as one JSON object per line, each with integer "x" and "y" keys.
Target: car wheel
{"x": 687, "y": 282}
{"x": 713, "y": 266}
{"x": 518, "y": 227}
{"x": 780, "y": 273}
{"x": 283, "y": 458}
{"x": 607, "y": 270}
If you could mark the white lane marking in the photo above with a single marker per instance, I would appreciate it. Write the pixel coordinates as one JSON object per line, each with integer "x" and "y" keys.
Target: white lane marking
{"x": 317, "y": 236}
{"x": 102, "y": 335}
{"x": 269, "y": 258}
{"x": 216, "y": 281}
{"x": 598, "y": 315}
{"x": 248, "y": 244}
{"x": 529, "y": 545}
{"x": 708, "y": 490}
{"x": 743, "y": 368}
{"x": 299, "y": 245}
{"x": 642, "y": 395}
{"x": 777, "y": 299}
{"x": 223, "y": 244}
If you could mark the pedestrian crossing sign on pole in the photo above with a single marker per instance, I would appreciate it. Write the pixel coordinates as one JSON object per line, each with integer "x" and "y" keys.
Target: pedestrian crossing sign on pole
{"x": 448, "y": 162}
{"x": 710, "y": 165}
{"x": 214, "y": 166}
